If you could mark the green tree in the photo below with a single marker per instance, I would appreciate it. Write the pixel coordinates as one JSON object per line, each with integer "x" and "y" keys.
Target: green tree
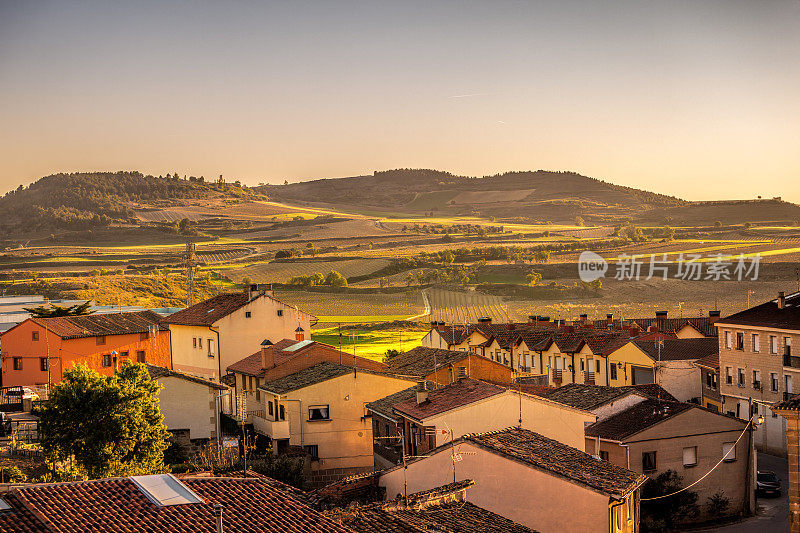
{"x": 106, "y": 426}
{"x": 311, "y": 249}
{"x": 335, "y": 279}
{"x": 533, "y": 278}
{"x": 665, "y": 513}
{"x": 44, "y": 311}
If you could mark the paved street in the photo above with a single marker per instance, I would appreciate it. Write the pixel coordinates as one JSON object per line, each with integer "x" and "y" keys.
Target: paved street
{"x": 773, "y": 513}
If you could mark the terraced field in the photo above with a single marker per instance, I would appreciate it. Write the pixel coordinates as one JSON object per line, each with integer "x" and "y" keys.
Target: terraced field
{"x": 275, "y": 272}
{"x": 465, "y": 306}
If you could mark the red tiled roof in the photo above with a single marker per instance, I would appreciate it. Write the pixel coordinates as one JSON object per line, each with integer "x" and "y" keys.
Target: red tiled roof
{"x": 709, "y": 361}
{"x": 75, "y": 327}
{"x": 458, "y": 394}
{"x": 209, "y": 311}
{"x": 420, "y": 361}
{"x": 678, "y": 349}
{"x": 653, "y": 390}
{"x": 161, "y": 372}
{"x": 252, "y": 505}
{"x": 251, "y": 365}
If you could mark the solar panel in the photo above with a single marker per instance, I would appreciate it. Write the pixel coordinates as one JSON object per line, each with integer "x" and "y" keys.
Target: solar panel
{"x": 4, "y": 505}
{"x": 297, "y": 346}
{"x": 165, "y": 489}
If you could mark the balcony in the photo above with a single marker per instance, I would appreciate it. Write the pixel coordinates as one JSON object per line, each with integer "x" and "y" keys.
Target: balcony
{"x": 275, "y": 429}
{"x": 787, "y": 395}
{"x": 588, "y": 378}
{"x": 557, "y": 376}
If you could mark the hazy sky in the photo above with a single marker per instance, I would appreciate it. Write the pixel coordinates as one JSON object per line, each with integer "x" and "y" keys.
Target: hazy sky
{"x": 696, "y": 98}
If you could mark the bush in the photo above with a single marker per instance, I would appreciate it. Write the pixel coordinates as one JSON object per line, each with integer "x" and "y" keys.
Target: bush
{"x": 667, "y": 511}
{"x": 12, "y": 474}
{"x": 717, "y": 505}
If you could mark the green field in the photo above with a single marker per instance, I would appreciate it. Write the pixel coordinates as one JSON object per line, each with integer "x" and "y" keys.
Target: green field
{"x": 369, "y": 343}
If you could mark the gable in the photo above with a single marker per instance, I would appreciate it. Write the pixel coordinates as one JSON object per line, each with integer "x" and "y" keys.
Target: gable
{"x": 696, "y": 420}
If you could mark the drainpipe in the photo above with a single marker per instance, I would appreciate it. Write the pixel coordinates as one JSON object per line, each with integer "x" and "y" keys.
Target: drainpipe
{"x": 219, "y": 428}
{"x": 612, "y": 526}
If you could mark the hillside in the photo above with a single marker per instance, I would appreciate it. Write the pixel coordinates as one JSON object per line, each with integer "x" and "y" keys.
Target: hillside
{"x": 540, "y": 194}
{"x": 84, "y": 200}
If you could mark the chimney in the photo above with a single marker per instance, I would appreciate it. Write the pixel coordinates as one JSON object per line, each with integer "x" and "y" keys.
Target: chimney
{"x": 652, "y": 329}
{"x": 584, "y": 318}
{"x": 781, "y": 300}
{"x": 440, "y": 326}
{"x": 299, "y": 334}
{"x": 267, "y": 289}
{"x": 267, "y": 354}
{"x": 218, "y": 508}
{"x": 610, "y": 319}
{"x": 713, "y": 316}
{"x": 533, "y": 319}
{"x": 661, "y": 314}
{"x": 251, "y": 291}
{"x": 422, "y": 393}
{"x": 485, "y": 320}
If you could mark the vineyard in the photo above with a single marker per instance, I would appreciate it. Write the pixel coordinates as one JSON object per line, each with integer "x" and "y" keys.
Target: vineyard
{"x": 348, "y": 307}
{"x": 281, "y": 272}
{"x": 465, "y": 306}
{"x": 222, "y": 256}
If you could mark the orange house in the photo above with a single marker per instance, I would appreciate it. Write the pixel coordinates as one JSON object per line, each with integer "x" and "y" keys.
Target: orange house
{"x": 37, "y": 351}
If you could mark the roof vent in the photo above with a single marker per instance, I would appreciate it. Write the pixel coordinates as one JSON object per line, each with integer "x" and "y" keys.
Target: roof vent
{"x": 165, "y": 489}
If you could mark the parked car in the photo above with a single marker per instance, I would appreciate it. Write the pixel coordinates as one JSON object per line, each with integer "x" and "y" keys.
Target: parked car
{"x": 768, "y": 483}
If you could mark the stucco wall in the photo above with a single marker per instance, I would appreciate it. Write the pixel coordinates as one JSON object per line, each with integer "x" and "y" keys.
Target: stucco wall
{"x": 478, "y": 367}
{"x": 188, "y": 405}
{"x": 528, "y": 496}
{"x": 681, "y": 379}
{"x": 194, "y": 359}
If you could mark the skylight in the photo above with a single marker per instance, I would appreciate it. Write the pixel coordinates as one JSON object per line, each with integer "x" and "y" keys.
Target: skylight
{"x": 210, "y": 310}
{"x": 165, "y": 489}
{"x": 297, "y": 346}
{"x": 4, "y": 506}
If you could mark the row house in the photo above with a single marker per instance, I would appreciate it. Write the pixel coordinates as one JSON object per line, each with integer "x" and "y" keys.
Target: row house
{"x": 759, "y": 367}
{"x": 667, "y": 361}
{"x": 211, "y": 335}
{"x": 426, "y": 419}
{"x": 680, "y": 327}
{"x": 533, "y": 480}
{"x": 281, "y": 359}
{"x": 37, "y": 351}
{"x": 446, "y": 366}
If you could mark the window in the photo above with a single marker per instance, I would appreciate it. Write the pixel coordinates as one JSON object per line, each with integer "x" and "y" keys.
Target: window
{"x": 690, "y": 456}
{"x": 123, "y": 355}
{"x": 106, "y": 360}
{"x": 211, "y": 348}
{"x": 140, "y": 356}
{"x": 281, "y": 413}
{"x": 741, "y": 377}
{"x": 711, "y": 380}
{"x": 258, "y": 393}
{"x": 728, "y": 340}
{"x": 597, "y": 365}
{"x": 582, "y": 365}
{"x": 248, "y": 314}
{"x": 603, "y": 455}
{"x": 618, "y": 517}
{"x": 280, "y": 312}
{"x": 740, "y": 341}
{"x": 270, "y": 409}
{"x": 144, "y": 336}
{"x": 194, "y": 342}
{"x": 200, "y": 342}
{"x": 756, "y": 379}
{"x": 756, "y": 343}
{"x": 787, "y": 345}
{"x": 462, "y": 372}
{"x": 35, "y": 335}
{"x": 318, "y": 412}
{"x": 17, "y": 361}
{"x": 312, "y": 450}
{"x": 773, "y": 344}
{"x": 773, "y": 378}
{"x": 729, "y": 452}
{"x": 101, "y": 339}
{"x": 43, "y": 364}
{"x": 728, "y": 375}
{"x": 631, "y": 508}
{"x": 613, "y": 371}
{"x": 250, "y": 383}
{"x": 648, "y": 461}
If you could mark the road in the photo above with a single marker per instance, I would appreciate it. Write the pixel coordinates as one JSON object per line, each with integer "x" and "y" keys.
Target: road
{"x": 773, "y": 513}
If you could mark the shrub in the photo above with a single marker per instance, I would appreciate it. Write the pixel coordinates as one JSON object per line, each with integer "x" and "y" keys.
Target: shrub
{"x": 718, "y": 504}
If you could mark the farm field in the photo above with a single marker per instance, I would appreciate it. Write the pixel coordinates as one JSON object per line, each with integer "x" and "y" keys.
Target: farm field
{"x": 278, "y": 272}
{"x": 369, "y": 342}
{"x": 465, "y": 306}
{"x": 356, "y": 307}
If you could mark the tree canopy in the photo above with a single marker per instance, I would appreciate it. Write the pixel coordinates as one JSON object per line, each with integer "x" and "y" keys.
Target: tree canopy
{"x": 106, "y": 425}
{"x": 44, "y": 311}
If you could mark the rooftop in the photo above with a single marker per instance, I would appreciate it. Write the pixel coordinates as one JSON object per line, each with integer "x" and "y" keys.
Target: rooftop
{"x": 678, "y": 349}
{"x": 76, "y": 327}
{"x": 120, "y": 505}
{"x": 384, "y": 406}
{"x": 586, "y": 397}
{"x": 161, "y": 372}
{"x": 769, "y": 314}
{"x": 420, "y": 361}
{"x": 207, "y": 312}
{"x": 311, "y": 376}
{"x": 562, "y": 460}
{"x": 635, "y": 419}
{"x": 458, "y": 394}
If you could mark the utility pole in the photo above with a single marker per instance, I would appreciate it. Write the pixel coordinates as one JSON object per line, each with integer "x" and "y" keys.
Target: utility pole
{"x": 190, "y": 262}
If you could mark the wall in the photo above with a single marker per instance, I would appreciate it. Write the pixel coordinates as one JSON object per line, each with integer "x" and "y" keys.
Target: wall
{"x": 188, "y": 405}
{"x": 478, "y": 367}
{"x": 345, "y": 441}
{"x": 617, "y": 406}
{"x": 191, "y": 359}
{"x": 550, "y": 419}
{"x": 539, "y": 500}
{"x": 64, "y": 354}
{"x": 433, "y": 340}
{"x": 680, "y": 378}
{"x": 241, "y": 336}
{"x": 630, "y": 356}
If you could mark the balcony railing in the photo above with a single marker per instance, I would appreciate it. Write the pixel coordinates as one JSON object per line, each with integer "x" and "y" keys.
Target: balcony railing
{"x": 275, "y": 429}
{"x": 787, "y": 395}
{"x": 557, "y": 376}
{"x": 589, "y": 378}
{"x": 791, "y": 361}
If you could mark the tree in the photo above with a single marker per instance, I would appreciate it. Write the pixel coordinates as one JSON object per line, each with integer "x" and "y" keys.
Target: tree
{"x": 106, "y": 425}
{"x": 668, "y": 233}
{"x": 671, "y": 510}
{"x": 391, "y": 353}
{"x": 533, "y": 278}
{"x": 335, "y": 279}
{"x": 58, "y": 310}
{"x": 718, "y": 224}
{"x": 718, "y": 504}
{"x": 311, "y": 249}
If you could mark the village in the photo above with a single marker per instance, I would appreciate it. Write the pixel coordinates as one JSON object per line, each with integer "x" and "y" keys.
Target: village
{"x": 596, "y": 424}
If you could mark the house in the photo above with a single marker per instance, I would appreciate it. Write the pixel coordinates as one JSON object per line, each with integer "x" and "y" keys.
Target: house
{"x": 431, "y": 418}
{"x": 709, "y": 382}
{"x": 321, "y": 409}
{"x": 213, "y": 334}
{"x": 758, "y": 365}
{"x": 442, "y": 508}
{"x": 654, "y": 436}
{"x": 283, "y": 358}
{"x": 596, "y": 399}
{"x": 529, "y": 479}
{"x": 680, "y": 327}
{"x": 447, "y": 366}
{"x": 666, "y": 361}
{"x": 38, "y": 350}
{"x": 189, "y": 406}
{"x": 162, "y": 502}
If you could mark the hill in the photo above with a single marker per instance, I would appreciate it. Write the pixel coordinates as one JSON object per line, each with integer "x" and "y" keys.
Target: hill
{"x": 84, "y": 200}
{"x": 540, "y": 194}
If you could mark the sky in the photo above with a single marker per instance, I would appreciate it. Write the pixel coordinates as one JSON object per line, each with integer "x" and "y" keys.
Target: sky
{"x": 695, "y": 98}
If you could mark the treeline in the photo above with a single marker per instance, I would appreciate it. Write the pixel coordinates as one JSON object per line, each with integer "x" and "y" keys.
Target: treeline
{"x": 94, "y": 199}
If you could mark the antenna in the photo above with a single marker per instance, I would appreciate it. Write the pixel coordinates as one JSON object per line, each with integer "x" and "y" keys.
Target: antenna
{"x": 190, "y": 261}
